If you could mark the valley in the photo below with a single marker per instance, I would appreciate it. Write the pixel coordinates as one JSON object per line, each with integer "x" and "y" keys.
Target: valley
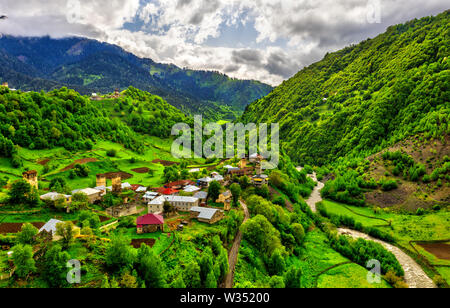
{"x": 87, "y": 171}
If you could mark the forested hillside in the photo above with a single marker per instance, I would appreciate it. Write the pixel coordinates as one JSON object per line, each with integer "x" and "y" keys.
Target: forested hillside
{"x": 366, "y": 97}
{"x": 64, "y": 118}
{"x": 90, "y": 66}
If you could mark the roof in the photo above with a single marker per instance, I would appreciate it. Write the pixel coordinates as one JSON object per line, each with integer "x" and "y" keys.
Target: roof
{"x": 204, "y": 212}
{"x": 218, "y": 178}
{"x": 50, "y": 226}
{"x": 167, "y": 191}
{"x": 206, "y": 180}
{"x": 86, "y": 191}
{"x": 157, "y": 201}
{"x": 227, "y": 193}
{"x": 150, "y": 219}
{"x": 141, "y": 189}
{"x": 179, "y": 183}
{"x": 126, "y": 185}
{"x": 194, "y": 170}
{"x": 201, "y": 195}
{"x": 228, "y": 167}
{"x": 54, "y": 196}
{"x": 181, "y": 199}
{"x": 191, "y": 188}
{"x": 135, "y": 187}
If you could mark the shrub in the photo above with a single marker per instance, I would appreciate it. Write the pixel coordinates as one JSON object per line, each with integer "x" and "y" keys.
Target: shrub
{"x": 111, "y": 153}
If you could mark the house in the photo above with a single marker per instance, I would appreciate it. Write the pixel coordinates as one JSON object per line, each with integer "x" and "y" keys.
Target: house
{"x": 156, "y": 205}
{"x": 259, "y": 180}
{"x": 225, "y": 198}
{"x": 240, "y": 172}
{"x": 179, "y": 185}
{"x": 54, "y": 196}
{"x": 50, "y": 228}
{"x": 204, "y": 182}
{"x": 167, "y": 191}
{"x": 194, "y": 170}
{"x": 202, "y": 196}
{"x": 207, "y": 215}
{"x": 254, "y": 158}
{"x": 191, "y": 189}
{"x": 181, "y": 203}
{"x": 122, "y": 210}
{"x": 149, "y": 196}
{"x": 94, "y": 195}
{"x": 217, "y": 177}
{"x": 141, "y": 189}
{"x": 31, "y": 178}
{"x": 150, "y": 223}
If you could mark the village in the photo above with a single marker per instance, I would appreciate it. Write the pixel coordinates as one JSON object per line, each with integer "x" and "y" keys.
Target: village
{"x": 156, "y": 205}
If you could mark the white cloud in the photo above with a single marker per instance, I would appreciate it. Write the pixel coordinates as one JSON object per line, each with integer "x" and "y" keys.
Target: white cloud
{"x": 289, "y": 34}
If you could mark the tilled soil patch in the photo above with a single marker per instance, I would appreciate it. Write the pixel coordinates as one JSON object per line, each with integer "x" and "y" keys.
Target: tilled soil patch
{"x": 81, "y": 162}
{"x": 165, "y": 163}
{"x": 136, "y": 243}
{"x": 440, "y": 250}
{"x": 17, "y": 227}
{"x": 141, "y": 170}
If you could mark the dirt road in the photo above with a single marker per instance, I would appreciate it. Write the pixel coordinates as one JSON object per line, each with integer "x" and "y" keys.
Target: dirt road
{"x": 415, "y": 277}
{"x": 233, "y": 254}
{"x": 315, "y": 196}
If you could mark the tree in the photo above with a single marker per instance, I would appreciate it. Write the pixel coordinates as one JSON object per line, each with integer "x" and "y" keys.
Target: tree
{"x": 150, "y": 268}
{"x": 55, "y": 266}
{"x": 66, "y": 230}
{"x": 292, "y": 278}
{"x": 168, "y": 207}
{"x": 299, "y": 232}
{"x": 80, "y": 201}
{"x": 89, "y": 219}
{"x": 244, "y": 181}
{"x": 206, "y": 263}
{"x": 20, "y": 193}
{"x": 214, "y": 190}
{"x": 277, "y": 282}
{"x": 128, "y": 281}
{"x": 178, "y": 283}
{"x": 119, "y": 255}
{"x": 211, "y": 281}
{"x": 277, "y": 264}
{"x": 58, "y": 185}
{"x": 27, "y": 234}
{"x": 236, "y": 192}
{"x": 191, "y": 275}
{"x": 23, "y": 260}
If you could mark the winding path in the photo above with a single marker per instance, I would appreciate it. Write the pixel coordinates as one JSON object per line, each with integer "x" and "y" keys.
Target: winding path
{"x": 415, "y": 277}
{"x": 234, "y": 252}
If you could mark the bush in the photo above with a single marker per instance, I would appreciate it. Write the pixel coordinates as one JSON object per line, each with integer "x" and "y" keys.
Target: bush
{"x": 111, "y": 153}
{"x": 388, "y": 185}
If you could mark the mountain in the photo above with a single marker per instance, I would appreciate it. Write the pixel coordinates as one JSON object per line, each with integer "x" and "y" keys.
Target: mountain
{"x": 366, "y": 97}
{"x": 90, "y": 66}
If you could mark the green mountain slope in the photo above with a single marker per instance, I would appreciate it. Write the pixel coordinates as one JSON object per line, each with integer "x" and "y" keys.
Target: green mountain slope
{"x": 366, "y": 97}
{"x": 64, "y": 118}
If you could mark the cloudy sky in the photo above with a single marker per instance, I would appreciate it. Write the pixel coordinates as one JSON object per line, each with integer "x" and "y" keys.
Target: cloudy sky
{"x": 266, "y": 40}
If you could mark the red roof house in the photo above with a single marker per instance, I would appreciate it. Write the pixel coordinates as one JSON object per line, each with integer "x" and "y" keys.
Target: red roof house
{"x": 167, "y": 191}
{"x": 150, "y": 223}
{"x": 179, "y": 184}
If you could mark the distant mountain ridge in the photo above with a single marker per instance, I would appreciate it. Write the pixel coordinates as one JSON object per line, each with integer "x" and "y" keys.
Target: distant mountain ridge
{"x": 90, "y": 66}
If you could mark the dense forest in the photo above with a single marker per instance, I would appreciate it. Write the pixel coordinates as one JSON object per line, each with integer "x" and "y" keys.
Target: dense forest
{"x": 365, "y": 97}
{"x": 64, "y": 118}
{"x": 89, "y": 66}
